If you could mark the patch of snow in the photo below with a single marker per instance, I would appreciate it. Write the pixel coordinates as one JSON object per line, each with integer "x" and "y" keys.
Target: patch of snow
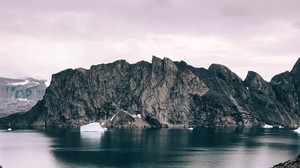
{"x": 20, "y": 99}
{"x": 190, "y": 128}
{"x": 133, "y": 115}
{"x": 19, "y": 83}
{"x": 136, "y": 116}
{"x": 112, "y": 117}
{"x": 281, "y": 126}
{"x": 247, "y": 88}
{"x": 267, "y": 126}
{"x": 92, "y": 127}
{"x": 127, "y": 113}
{"x": 47, "y": 83}
{"x": 32, "y": 83}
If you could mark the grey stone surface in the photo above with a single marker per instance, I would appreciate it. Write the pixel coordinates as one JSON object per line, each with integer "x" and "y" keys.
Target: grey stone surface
{"x": 165, "y": 93}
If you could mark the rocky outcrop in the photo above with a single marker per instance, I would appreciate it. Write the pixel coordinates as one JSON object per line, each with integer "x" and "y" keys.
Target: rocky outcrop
{"x": 268, "y": 101}
{"x": 165, "y": 93}
{"x": 19, "y": 95}
{"x": 293, "y": 163}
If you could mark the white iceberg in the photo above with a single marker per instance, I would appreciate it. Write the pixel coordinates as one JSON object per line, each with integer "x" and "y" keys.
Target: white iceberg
{"x": 297, "y": 130}
{"x": 267, "y": 126}
{"x": 92, "y": 127}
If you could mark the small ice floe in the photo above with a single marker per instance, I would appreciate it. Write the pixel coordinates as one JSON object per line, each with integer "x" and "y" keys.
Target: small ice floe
{"x": 297, "y": 130}
{"x": 281, "y": 126}
{"x": 92, "y": 127}
{"x": 190, "y": 128}
{"x": 267, "y": 126}
{"x": 9, "y": 128}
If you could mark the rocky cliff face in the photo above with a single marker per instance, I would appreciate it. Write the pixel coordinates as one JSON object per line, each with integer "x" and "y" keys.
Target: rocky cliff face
{"x": 19, "y": 95}
{"x": 165, "y": 93}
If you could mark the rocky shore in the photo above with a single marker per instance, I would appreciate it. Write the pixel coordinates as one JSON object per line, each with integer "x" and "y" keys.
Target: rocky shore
{"x": 293, "y": 163}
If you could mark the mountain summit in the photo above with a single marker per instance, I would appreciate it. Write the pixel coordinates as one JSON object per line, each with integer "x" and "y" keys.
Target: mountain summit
{"x": 165, "y": 93}
{"x": 19, "y": 95}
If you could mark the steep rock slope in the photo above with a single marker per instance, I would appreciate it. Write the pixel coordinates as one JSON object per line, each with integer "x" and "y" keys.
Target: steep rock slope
{"x": 19, "y": 95}
{"x": 165, "y": 93}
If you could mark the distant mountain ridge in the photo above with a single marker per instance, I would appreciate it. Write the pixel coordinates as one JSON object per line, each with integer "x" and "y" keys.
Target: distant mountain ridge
{"x": 165, "y": 93}
{"x": 19, "y": 95}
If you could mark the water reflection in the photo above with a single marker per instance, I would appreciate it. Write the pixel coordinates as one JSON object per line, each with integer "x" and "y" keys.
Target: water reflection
{"x": 183, "y": 148}
{"x": 26, "y": 148}
{"x": 90, "y": 140}
{"x": 158, "y": 148}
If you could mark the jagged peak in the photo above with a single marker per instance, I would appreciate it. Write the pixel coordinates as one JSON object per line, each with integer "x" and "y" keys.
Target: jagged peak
{"x": 183, "y": 63}
{"x": 164, "y": 60}
{"x": 280, "y": 77}
{"x": 64, "y": 71}
{"x": 167, "y": 59}
{"x": 296, "y": 67}
{"x": 121, "y": 61}
{"x": 253, "y": 74}
{"x": 155, "y": 59}
{"x": 156, "y": 63}
{"x": 218, "y": 68}
{"x": 254, "y": 79}
{"x": 222, "y": 71}
{"x": 165, "y": 63}
{"x": 82, "y": 70}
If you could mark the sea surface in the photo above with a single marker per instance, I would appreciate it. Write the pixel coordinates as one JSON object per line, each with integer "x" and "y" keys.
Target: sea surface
{"x": 147, "y": 148}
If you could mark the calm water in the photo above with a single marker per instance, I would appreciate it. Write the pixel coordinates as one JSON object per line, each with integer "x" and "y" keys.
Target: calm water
{"x": 159, "y": 148}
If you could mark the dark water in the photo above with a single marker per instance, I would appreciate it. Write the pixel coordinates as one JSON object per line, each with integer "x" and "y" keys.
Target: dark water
{"x": 159, "y": 148}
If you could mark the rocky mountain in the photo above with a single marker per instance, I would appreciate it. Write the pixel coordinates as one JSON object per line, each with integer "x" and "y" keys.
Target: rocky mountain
{"x": 19, "y": 95}
{"x": 165, "y": 93}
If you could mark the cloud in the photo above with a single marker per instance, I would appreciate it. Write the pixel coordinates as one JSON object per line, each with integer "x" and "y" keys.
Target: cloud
{"x": 39, "y": 38}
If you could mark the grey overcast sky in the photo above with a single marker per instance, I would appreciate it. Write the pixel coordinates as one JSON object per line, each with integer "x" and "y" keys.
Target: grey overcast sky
{"x": 42, "y": 37}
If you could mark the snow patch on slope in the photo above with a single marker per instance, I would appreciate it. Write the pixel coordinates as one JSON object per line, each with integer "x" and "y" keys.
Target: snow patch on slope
{"x": 19, "y": 83}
